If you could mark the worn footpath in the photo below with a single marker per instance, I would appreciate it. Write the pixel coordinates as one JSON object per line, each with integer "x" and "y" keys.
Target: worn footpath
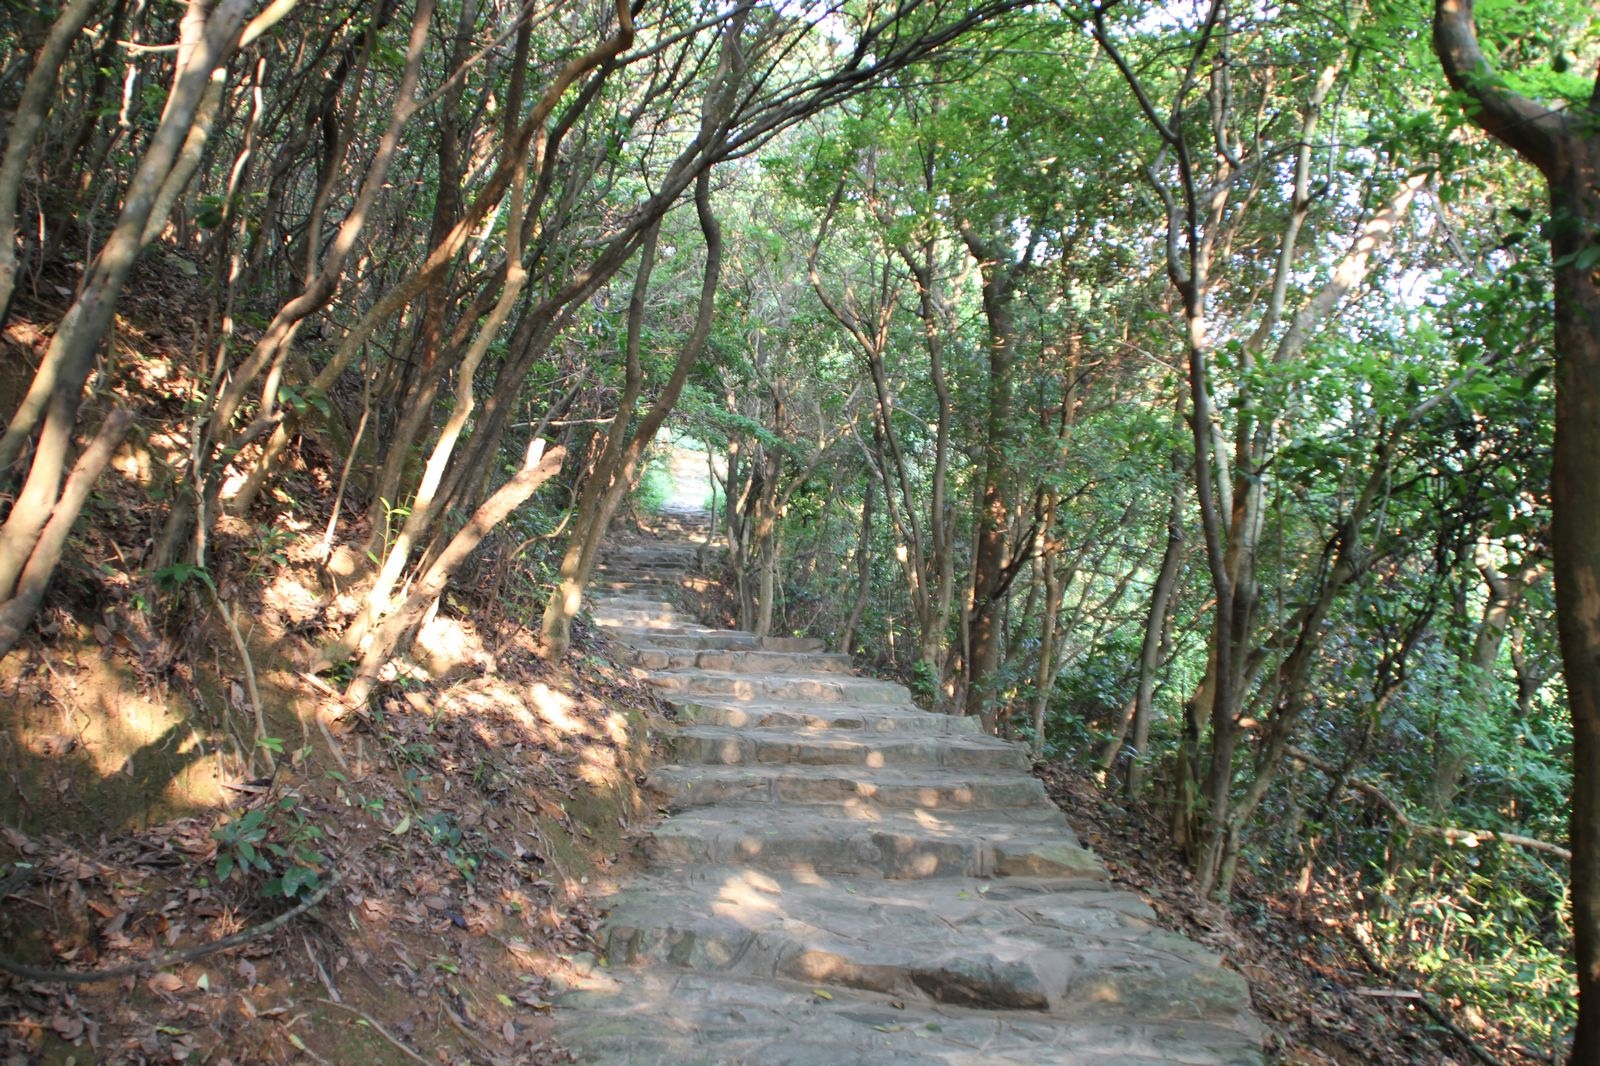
{"x": 848, "y": 879}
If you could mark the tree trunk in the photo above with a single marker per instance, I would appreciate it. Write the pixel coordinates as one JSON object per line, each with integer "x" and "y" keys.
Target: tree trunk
{"x": 430, "y": 586}
{"x": 989, "y": 541}
{"x": 57, "y": 389}
{"x": 863, "y": 571}
{"x": 610, "y": 485}
{"x": 1565, "y": 146}
{"x": 1575, "y": 528}
{"x": 26, "y": 121}
{"x": 1157, "y": 624}
{"x": 18, "y": 611}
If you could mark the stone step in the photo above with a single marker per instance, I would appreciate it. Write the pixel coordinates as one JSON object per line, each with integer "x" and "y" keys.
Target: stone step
{"x": 607, "y": 615}
{"x": 693, "y": 635}
{"x": 877, "y": 719}
{"x": 654, "y": 589}
{"x": 792, "y": 644}
{"x": 850, "y": 879}
{"x": 1064, "y": 949}
{"x": 721, "y": 746}
{"x": 797, "y": 688}
{"x": 742, "y": 662}
{"x": 685, "y": 636}
{"x": 674, "y": 1017}
{"x": 935, "y": 789}
{"x": 654, "y": 562}
{"x": 636, "y": 598}
{"x": 862, "y": 840}
{"x": 607, "y": 574}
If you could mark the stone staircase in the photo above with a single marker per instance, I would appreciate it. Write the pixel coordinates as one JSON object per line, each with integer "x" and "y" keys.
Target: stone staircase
{"x": 848, "y": 879}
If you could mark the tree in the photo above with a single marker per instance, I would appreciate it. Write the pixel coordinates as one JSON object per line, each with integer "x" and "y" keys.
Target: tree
{"x": 1563, "y": 142}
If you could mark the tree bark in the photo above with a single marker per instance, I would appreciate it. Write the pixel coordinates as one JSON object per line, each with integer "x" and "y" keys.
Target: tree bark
{"x": 611, "y": 487}
{"x": 57, "y": 389}
{"x": 17, "y": 612}
{"x": 993, "y": 519}
{"x": 32, "y": 108}
{"x": 431, "y": 585}
{"x": 1565, "y": 146}
{"x": 847, "y": 638}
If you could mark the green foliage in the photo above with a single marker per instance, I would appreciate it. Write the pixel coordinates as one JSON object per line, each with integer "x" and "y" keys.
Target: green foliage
{"x": 655, "y": 486}
{"x": 274, "y": 844}
{"x": 1486, "y": 926}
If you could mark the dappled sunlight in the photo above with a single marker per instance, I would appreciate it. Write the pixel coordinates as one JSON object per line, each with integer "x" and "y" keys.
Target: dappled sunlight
{"x": 745, "y": 892}
{"x": 555, "y": 709}
{"x": 102, "y": 754}
{"x": 593, "y": 734}
{"x": 861, "y": 811}
{"x": 288, "y": 595}
{"x": 446, "y": 645}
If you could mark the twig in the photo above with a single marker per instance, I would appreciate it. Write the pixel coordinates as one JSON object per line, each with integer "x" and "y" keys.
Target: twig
{"x": 333, "y": 745}
{"x": 1390, "y": 804}
{"x": 461, "y": 1027}
{"x": 170, "y": 958}
{"x": 249, "y": 678}
{"x": 377, "y": 1028}
{"x": 316, "y": 963}
{"x": 304, "y": 1049}
{"x": 1475, "y": 1049}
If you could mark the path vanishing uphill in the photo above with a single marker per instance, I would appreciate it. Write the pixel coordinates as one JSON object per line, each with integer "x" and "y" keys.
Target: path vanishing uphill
{"x": 848, "y": 879}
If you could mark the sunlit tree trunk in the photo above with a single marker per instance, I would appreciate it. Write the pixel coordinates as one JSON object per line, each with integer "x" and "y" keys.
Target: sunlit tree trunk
{"x": 57, "y": 390}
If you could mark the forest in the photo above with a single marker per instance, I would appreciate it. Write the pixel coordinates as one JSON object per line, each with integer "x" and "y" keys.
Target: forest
{"x": 1205, "y": 393}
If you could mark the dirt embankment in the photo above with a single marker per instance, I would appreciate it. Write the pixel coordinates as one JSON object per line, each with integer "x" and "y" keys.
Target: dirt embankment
{"x": 173, "y": 778}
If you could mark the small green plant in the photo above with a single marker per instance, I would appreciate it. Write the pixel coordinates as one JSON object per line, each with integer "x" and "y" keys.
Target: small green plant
{"x": 173, "y": 579}
{"x": 268, "y": 550}
{"x": 277, "y": 841}
{"x": 340, "y": 673}
{"x": 445, "y": 834}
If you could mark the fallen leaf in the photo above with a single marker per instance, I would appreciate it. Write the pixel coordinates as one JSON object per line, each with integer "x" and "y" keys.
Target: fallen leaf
{"x": 67, "y": 1027}
{"x": 163, "y": 984}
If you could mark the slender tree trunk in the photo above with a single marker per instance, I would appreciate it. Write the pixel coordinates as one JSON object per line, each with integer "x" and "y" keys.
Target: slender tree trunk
{"x": 431, "y": 585}
{"x": 1044, "y": 675}
{"x": 863, "y": 571}
{"x": 17, "y": 612}
{"x": 57, "y": 389}
{"x": 610, "y": 484}
{"x": 26, "y": 121}
{"x": 1157, "y": 626}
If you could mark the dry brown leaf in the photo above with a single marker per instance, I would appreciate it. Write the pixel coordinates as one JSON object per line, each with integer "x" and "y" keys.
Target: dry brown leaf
{"x": 67, "y": 1027}
{"x": 165, "y": 984}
